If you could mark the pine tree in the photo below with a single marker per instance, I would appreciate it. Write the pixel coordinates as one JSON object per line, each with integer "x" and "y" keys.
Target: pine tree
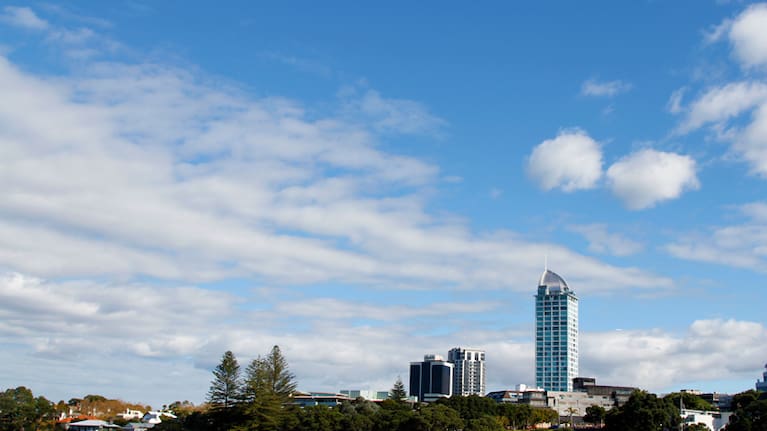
{"x": 268, "y": 388}
{"x": 225, "y": 389}
{"x": 281, "y": 381}
{"x": 398, "y": 393}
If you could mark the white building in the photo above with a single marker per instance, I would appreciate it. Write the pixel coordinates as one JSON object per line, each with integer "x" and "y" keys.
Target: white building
{"x": 131, "y": 414}
{"x": 556, "y": 334}
{"x": 366, "y": 394}
{"x": 155, "y": 417}
{"x": 468, "y": 371}
{"x": 715, "y": 421}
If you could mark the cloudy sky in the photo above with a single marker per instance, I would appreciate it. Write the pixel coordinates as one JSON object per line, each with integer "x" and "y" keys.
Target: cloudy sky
{"x": 363, "y": 185}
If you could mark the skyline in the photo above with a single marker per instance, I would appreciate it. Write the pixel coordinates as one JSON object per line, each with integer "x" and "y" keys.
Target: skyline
{"x": 365, "y": 184}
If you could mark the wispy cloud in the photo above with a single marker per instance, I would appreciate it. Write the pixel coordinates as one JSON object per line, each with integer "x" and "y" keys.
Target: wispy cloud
{"x": 739, "y": 245}
{"x": 592, "y": 87}
{"x": 602, "y": 241}
{"x": 23, "y": 17}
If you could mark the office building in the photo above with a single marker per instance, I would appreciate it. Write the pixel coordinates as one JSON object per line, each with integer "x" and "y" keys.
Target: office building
{"x": 556, "y": 334}
{"x": 431, "y": 379}
{"x": 468, "y": 371}
{"x": 762, "y": 386}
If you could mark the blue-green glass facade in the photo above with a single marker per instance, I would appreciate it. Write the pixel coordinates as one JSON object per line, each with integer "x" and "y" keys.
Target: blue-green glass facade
{"x": 556, "y": 334}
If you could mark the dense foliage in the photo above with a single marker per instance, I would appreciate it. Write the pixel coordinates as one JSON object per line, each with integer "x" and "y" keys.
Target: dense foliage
{"x": 21, "y": 411}
{"x": 750, "y": 412}
{"x": 689, "y": 401}
{"x": 644, "y": 412}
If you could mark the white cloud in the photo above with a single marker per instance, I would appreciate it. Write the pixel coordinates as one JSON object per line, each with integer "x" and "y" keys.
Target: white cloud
{"x": 723, "y": 103}
{"x": 748, "y": 35}
{"x": 742, "y": 245}
{"x": 571, "y": 161}
{"x": 602, "y": 241}
{"x": 647, "y": 177}
{"x": 722, "y": 107}
{"x": 143, "y": 169}
{"x": 752, "y": 143}
{"x": 23, "y": 17}
{"x": 177, "y": 335}
{"x": 717, "y": 32}
{"x": 756, "y": 210}
{"x": 674, "y": 104}
{"x": 657, "y": 360}
{"x": 592, "y": 87}
{"x": 390, "y": 115}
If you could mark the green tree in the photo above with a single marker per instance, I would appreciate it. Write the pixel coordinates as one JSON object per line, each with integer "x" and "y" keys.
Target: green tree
{"x": 643, "y": 412}
{"x": 541, "y": 415}
{"x": 439, "y": 417}
{"x": 595, "y": 415}
{"x": 689, "y": 401}
{"x": 20, "y": 410}
{"x": 397, "y": 392}
{"x": 392, "y": 416}
{"x": 319, "y": 418}
{"x": 471, "y": 407}
{"x": 225, "y": 389}
{"x": 485, "y": 423}
{"x": 269, "y": 386}
{"x": 282, "y": 382}
{"x": 750, "y": 412}
{"x": 517, "y": 415}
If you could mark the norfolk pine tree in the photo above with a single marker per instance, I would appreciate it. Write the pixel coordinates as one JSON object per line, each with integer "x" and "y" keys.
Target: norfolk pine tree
{"x": 225, "y": 389}
{"x": 397, "y": 392}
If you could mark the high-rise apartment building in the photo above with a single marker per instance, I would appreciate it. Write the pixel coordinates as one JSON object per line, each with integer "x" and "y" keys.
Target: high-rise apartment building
{"x": 556, "y": 334}
{"x": 762, "y": 386}
{"x": 468, "y": 372}
{"x": 431, "y": 379}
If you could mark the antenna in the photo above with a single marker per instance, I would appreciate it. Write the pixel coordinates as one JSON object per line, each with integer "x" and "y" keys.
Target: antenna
{"x": 545, "y": 262}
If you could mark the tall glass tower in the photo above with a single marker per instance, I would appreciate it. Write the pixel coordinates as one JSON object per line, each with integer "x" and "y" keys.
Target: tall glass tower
{"x": 556, "y": 334}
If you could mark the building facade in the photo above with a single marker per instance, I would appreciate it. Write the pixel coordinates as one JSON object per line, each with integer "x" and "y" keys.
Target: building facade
{"x": 556, "y": 334}
{"x": 762, "y": 386}
{"x": 468, "y": 371}
{"x": 431, "y": 379}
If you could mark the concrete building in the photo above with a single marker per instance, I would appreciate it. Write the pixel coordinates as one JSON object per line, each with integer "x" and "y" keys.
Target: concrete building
{"x": 468, "y": 371}
{"x": 431, "y": 379}
{"x": 556, "y": 334}
{"x": 762, "y": 386}
{"x": 618, "y": 394}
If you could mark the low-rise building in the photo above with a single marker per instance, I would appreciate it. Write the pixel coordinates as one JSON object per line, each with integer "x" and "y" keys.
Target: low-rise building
{"x": 92, "y": 425}
{"x": 308, "y": 399}
{"x": 714, "y": 421}
{"x": 129, "y": 414}
{"x": 366, "y": 394}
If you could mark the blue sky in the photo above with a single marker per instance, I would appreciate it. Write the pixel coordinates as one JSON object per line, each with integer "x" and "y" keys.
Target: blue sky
{"x": 363, "y": 185}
